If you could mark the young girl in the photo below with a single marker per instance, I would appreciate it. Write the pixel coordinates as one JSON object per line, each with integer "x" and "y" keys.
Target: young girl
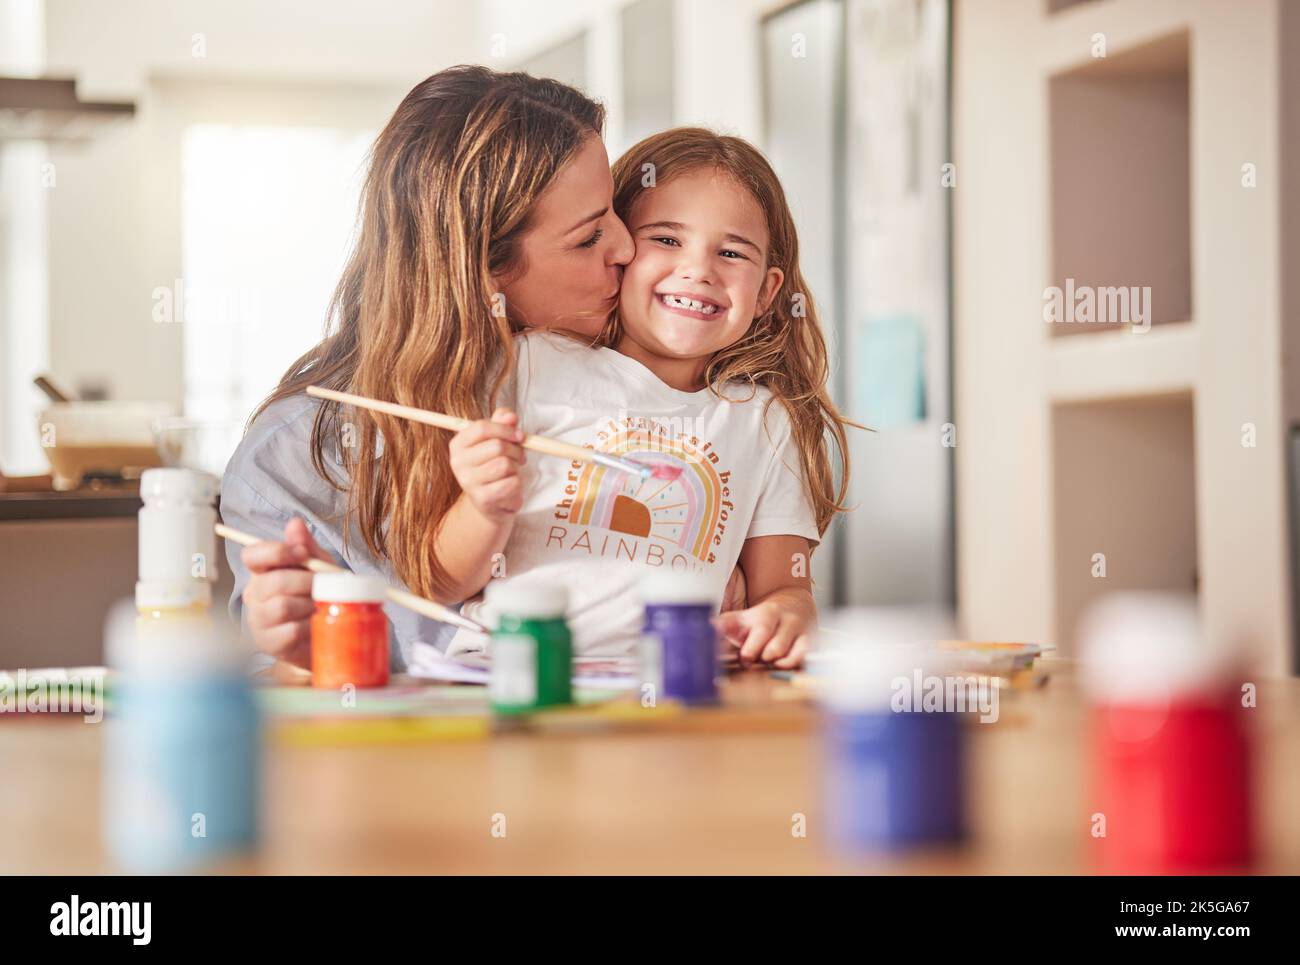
{"x": 719, "y": 366}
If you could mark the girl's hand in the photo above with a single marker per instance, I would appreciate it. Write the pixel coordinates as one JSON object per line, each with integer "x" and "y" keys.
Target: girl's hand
{"x": 277, "y": 600}
{"x": 768, "y": 632}
{"x": 778, "y": 628}
{"x": 485, "y": 458}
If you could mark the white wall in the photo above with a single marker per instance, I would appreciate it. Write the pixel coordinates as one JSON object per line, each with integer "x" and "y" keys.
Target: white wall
{"x": 115, "y": 49}
{"x": 719, "y": 63}
{"x": 717, "y": 67}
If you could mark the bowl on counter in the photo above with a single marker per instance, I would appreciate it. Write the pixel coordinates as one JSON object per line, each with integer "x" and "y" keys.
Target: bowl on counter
{"x": 113, "y": 439}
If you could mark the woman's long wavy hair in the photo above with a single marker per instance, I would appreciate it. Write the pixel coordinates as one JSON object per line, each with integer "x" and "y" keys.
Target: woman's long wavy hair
{"x": 784, "y": 348}
{"x": 452, "y": 179}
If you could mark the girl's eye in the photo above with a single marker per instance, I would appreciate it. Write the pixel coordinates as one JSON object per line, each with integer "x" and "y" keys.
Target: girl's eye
{"x": 665, "y": 241}
{"x": 728, "y": 253}
{"x": 591, "y": 242}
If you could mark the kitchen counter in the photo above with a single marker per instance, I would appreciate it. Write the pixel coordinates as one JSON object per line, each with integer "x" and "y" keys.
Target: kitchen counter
{"x": 75, "y": 504}
{"x": 65, "y": 559}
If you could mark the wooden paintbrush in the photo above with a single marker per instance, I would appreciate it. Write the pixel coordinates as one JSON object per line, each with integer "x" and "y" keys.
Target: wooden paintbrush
{"x": 550, "y": 447}
{"x": 434, "y": 611}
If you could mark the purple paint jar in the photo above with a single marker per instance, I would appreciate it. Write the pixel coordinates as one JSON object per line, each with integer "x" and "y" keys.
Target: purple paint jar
{"x": 680, "y": 646}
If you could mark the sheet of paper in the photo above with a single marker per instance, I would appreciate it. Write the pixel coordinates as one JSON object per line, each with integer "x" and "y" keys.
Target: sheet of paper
{"x": 599, "y": 673}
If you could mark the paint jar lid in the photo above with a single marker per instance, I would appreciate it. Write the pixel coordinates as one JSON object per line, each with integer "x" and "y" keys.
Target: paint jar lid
{"x": 1149, "y": 647}
{"x": 172, "y": 594}
{"x": 347, "y": 588}
{"x": 864, "y": 654}
{"x": 674, "y": 587}
{"x": 528, "y": 601}
{"x": 182, "y": 485}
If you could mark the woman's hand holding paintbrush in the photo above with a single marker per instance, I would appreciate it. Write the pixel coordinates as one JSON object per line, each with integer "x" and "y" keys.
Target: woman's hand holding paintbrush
{"x": 278, "y": 597}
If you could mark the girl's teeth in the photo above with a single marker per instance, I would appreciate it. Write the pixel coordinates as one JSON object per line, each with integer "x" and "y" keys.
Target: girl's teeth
{"x": 675, "y": 301}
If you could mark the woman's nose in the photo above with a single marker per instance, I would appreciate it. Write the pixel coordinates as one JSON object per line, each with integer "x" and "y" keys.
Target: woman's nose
{"x": 621, "y": 247}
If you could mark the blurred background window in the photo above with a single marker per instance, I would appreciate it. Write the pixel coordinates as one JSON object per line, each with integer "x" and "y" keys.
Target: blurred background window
{"x": 267, "y": 217}
{"x": 24, "y": 258}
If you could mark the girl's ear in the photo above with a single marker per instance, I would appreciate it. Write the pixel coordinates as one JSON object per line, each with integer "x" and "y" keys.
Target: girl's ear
{"x": 771, "y": 285}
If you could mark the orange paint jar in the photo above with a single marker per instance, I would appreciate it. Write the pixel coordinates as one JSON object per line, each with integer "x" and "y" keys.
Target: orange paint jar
{"x": 349, "y": 632}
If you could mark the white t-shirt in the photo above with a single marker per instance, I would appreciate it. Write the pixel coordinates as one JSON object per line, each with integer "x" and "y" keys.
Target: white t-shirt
{"x": 597, "y": 531}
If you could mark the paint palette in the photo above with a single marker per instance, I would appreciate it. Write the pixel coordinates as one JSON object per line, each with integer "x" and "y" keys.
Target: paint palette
{"x": 993, "y": 657}
{"x": 1005, "y": 664}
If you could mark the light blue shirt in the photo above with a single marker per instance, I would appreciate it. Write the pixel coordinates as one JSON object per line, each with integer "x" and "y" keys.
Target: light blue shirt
{"x": 270, "y": 479}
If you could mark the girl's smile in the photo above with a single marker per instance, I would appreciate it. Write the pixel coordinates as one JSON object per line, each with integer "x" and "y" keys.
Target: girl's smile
{"x": 690, "y": 305}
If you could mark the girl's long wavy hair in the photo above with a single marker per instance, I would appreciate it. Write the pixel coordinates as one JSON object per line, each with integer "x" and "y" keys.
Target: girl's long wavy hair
{"x": 451, "y": 181}
{"x": 784, "y": 348}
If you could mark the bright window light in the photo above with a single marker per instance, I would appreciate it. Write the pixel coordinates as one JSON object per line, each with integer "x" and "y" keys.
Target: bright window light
{"x": 268, "y": 216}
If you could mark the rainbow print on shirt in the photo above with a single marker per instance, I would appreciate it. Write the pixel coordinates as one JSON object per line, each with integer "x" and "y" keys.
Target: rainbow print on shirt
{"x": 684, "y": 512}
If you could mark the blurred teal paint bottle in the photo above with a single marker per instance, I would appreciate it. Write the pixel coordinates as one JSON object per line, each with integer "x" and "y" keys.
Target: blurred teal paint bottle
{"x": 182, "y": 748}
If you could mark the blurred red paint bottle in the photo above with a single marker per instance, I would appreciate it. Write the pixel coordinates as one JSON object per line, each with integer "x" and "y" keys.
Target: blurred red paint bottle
{"x": 1170, "y": 740}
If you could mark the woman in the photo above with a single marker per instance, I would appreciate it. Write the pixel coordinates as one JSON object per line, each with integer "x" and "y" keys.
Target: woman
{"x": 487, "y": 206}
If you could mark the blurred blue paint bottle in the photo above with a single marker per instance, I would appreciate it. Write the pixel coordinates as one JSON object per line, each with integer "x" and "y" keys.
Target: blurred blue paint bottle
{"x": 894, "y": 766}
{"x": 182, "y": 746}
{"x": 680, "y": 646}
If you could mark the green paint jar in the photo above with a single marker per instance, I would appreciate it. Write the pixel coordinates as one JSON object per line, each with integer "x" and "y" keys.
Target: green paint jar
{"x": 532, "y": 651}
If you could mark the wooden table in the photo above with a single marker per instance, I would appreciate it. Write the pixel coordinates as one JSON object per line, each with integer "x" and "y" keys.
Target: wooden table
{"x": 643, "y": 801}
